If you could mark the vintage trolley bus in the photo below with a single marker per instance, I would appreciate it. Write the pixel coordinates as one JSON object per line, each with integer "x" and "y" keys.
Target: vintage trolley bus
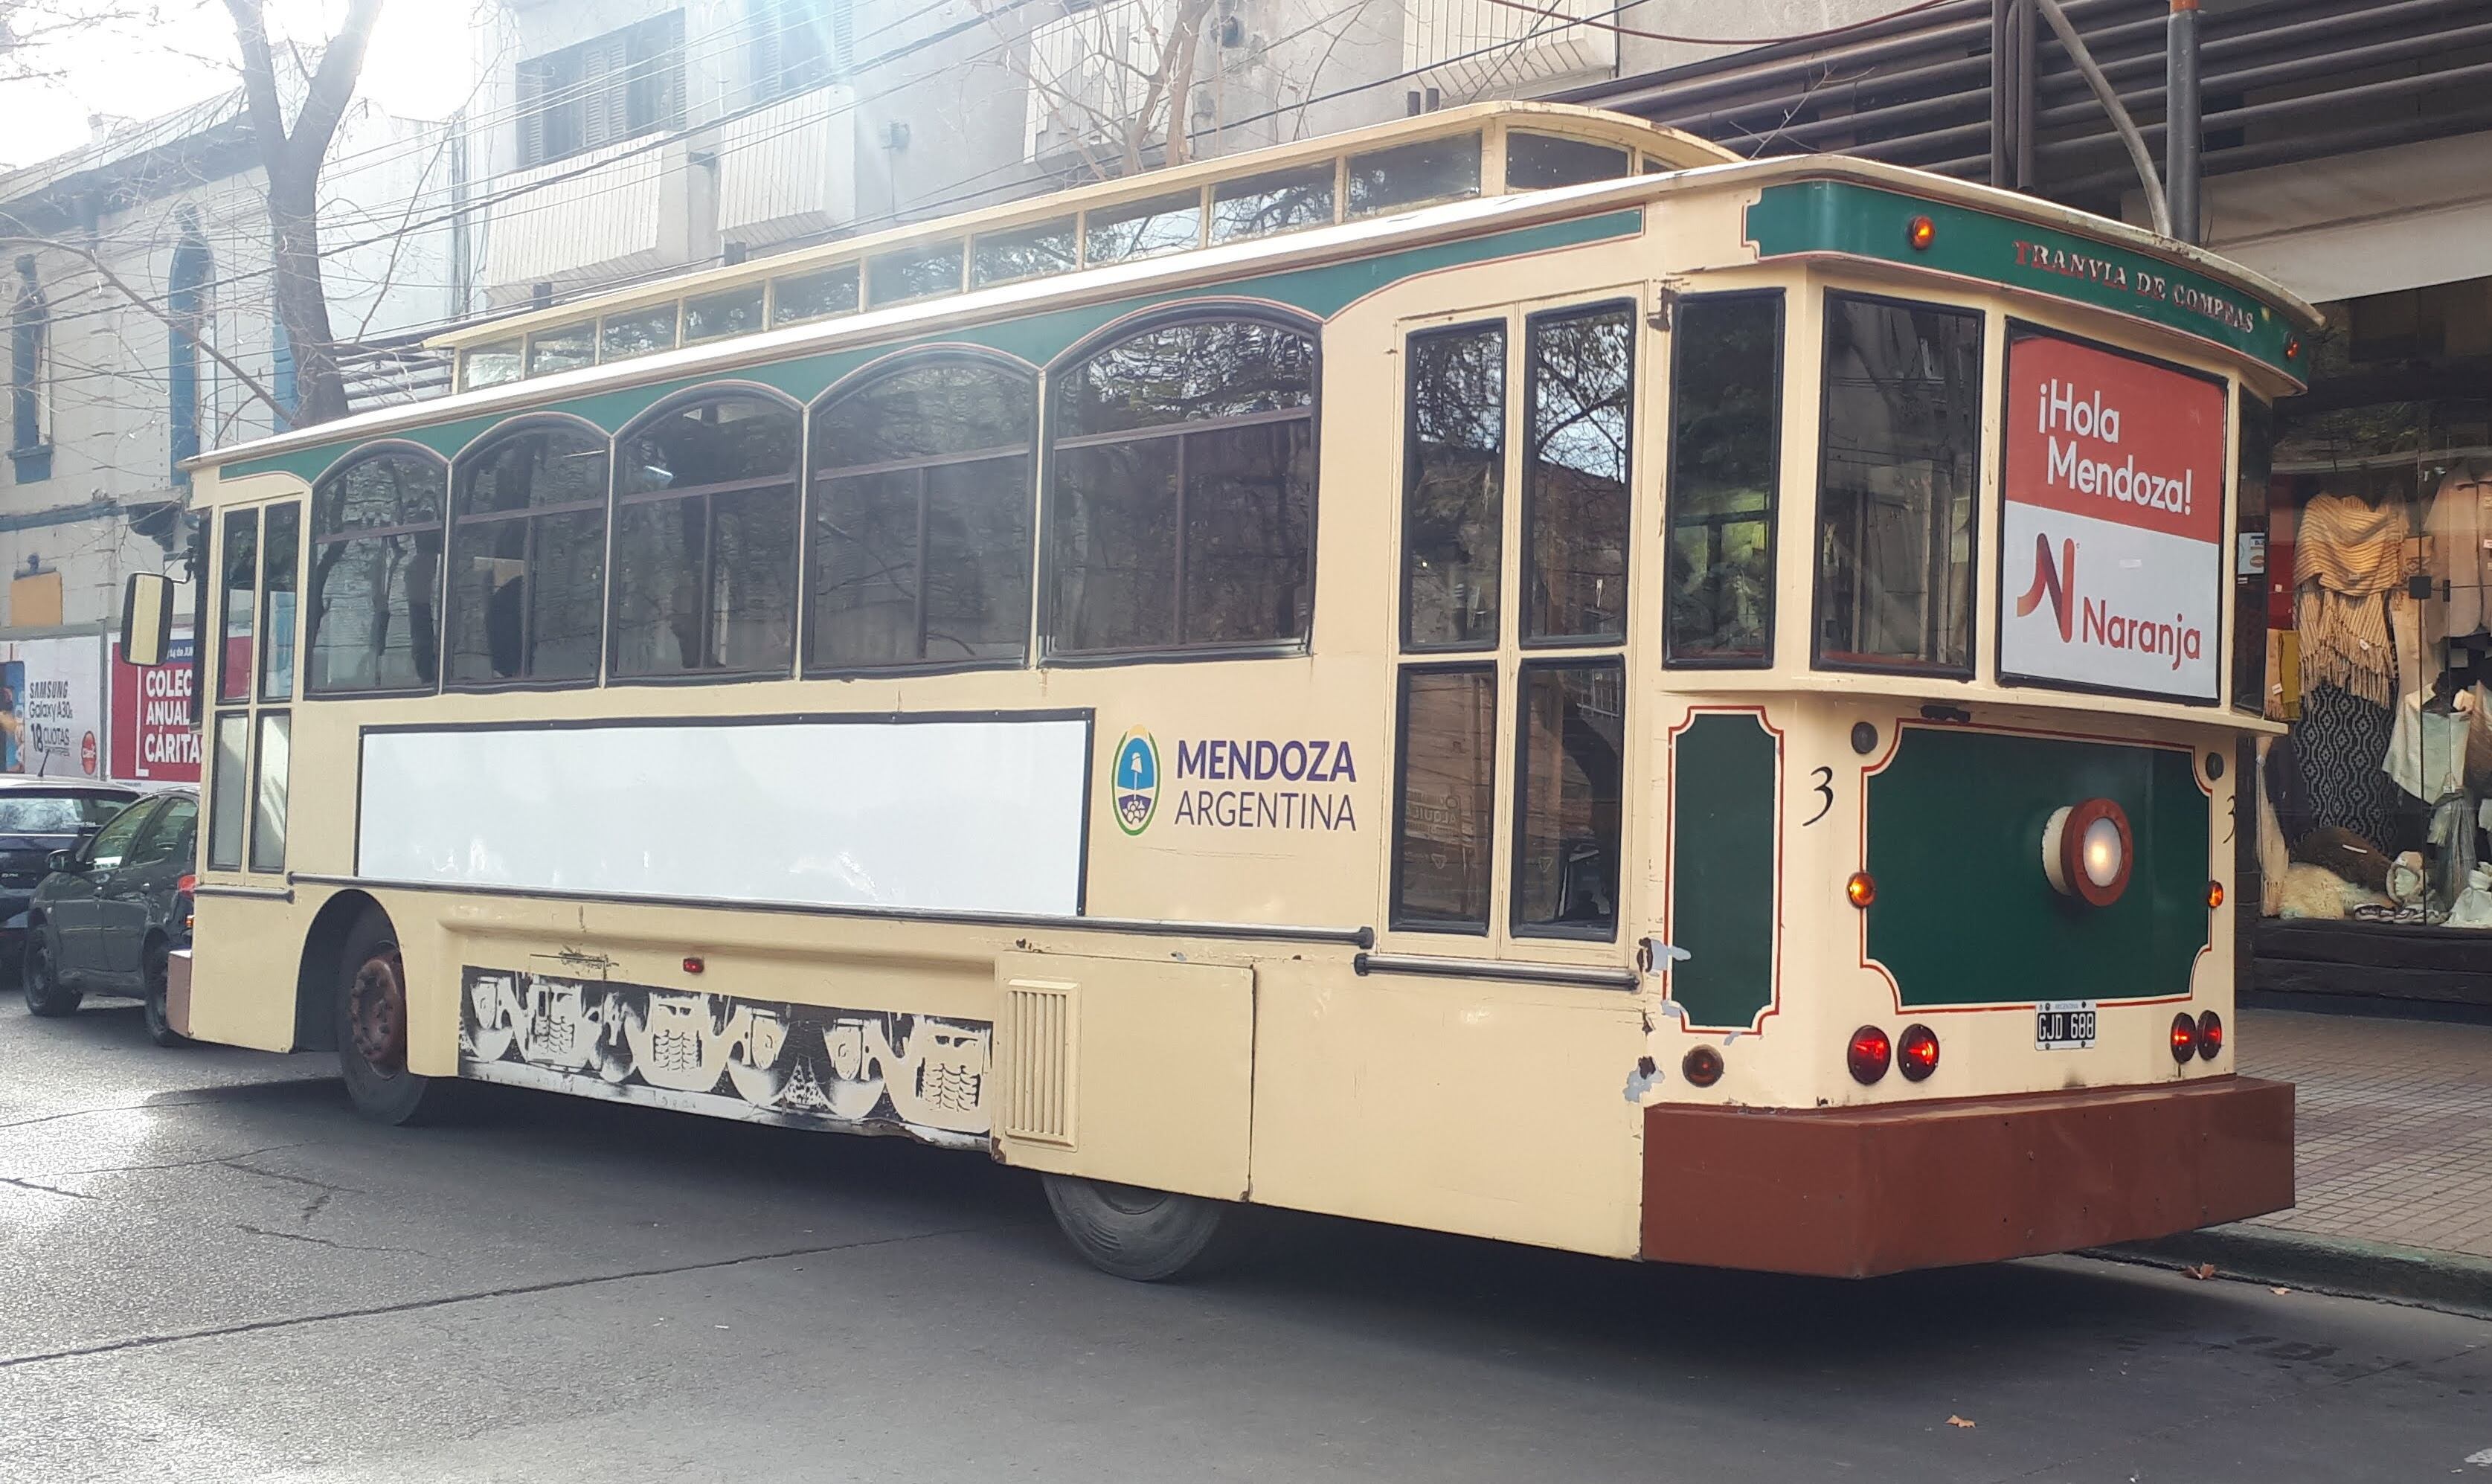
{"x": 1508, "y": 672}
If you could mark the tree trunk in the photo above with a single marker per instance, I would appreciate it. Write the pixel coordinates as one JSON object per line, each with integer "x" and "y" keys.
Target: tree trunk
{"x": 303, "y": 303}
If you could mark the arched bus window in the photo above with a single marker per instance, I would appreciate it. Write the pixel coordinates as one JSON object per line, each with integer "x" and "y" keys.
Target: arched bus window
{"x": 376, "y": 581}
{"x": 705, "y": 540}
{"x": 527, "y": 556}
{"x": 1181, "y": 513}
{"x": 920, "y": 512}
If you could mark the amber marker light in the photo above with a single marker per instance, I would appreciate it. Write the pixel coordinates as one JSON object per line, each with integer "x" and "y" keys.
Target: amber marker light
{"x": 1922, "y": 233}
{"x": 1861, "y": 889}
{"x": 2215, "y": 895}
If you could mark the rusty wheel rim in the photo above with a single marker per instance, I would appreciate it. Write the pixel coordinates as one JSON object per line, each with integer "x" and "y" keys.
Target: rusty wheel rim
{"x": 376, "y": 1013}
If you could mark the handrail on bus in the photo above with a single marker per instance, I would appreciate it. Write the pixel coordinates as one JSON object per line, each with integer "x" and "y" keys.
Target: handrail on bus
{"x": 1360, "y": 938}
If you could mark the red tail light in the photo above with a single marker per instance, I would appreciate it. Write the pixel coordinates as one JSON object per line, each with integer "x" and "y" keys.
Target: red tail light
{"x": 1702, "y": 1067}
{"x": 1917, "y": 1056}
{"x": 2185, "y": 1038}
{"x": 187, "y": 886}
{"x": 1870, "y": 1055}
{"x": 2211, "y": 1035}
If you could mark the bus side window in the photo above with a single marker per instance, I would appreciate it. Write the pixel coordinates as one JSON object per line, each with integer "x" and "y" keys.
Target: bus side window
{"x": 240, "y": 584}
{"x": 1453, "y": 500}
{"x": 922, "y": 510}
{"x": 1182, "y": 508}
{"x": 1444, "y": 809}
{"x": 375, "y": 579}
{"x": 1725, "y": 433}
{"x": 705, "y": 540}
{"x": 280, "y": 556}
{"x": 527, "y": 557}
{"x": 1898, "y": 477}
{"x": 1581, "y": 370}
{"x": 1569, "y": 781}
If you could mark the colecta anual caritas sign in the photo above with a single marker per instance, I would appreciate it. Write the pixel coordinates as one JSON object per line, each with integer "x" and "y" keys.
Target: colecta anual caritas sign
{"x": 152, "y": 736}
{"x": 2114, "y": 522}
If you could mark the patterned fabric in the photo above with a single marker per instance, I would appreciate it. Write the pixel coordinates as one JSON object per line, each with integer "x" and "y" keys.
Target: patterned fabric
{"x": 2339, "y": 744}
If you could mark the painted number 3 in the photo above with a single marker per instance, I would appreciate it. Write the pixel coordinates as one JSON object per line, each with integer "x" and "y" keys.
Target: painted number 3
{"x": 1824, "y": 790}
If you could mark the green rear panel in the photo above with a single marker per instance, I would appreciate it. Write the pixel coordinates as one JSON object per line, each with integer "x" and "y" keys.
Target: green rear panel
{"x": 1724, "y": 779}
{"x": 1964, "y": 914}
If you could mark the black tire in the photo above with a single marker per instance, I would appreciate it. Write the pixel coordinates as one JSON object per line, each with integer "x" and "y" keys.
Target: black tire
{"x": 382, "y": 1091}
{"x": 1146, "y": 1235}
{"x": 154, "y": 963}
{"x": 38, "y": 979}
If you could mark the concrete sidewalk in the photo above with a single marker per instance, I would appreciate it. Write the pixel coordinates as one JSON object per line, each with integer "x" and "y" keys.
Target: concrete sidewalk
{"x": 2394, "y": 1163}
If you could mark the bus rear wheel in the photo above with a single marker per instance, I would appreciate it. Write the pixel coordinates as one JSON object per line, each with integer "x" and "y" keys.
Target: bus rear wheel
{"x": 1148, "y": 1235}
{"x": 371, "y": 1024}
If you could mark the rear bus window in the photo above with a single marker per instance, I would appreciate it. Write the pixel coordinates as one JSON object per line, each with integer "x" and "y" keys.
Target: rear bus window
{"x": 1897, "y": 478}
{"x": 229, "y": 797}
{"x": 1537, "y": 162}
{"x": 1725, "y": 437}
{"x": 1443, "y": 826}
{"x": 241, "y": 588}
{"x": 1569, "y": 777}
{"x": 1414, "y": 174}
{"x": 1453, "y": 499}
{"x": 1582, "y": 369}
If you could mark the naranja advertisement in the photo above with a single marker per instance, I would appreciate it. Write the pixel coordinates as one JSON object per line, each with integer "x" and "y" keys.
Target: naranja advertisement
{"x": 51, "y": 706}
{"x": 2113, "y": 524}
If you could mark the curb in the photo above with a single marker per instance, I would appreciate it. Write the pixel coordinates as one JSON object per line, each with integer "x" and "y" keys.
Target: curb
{"x": 2450, "y": 1281}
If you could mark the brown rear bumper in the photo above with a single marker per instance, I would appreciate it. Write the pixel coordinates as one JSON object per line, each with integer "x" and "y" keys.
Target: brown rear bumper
{"x": 1855, "y": 1192}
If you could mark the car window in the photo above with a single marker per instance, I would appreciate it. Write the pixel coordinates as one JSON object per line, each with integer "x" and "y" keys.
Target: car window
{"x": 23, "y": 812}
{"x": 112, "y": 846}
{"x": 171, "y": 835}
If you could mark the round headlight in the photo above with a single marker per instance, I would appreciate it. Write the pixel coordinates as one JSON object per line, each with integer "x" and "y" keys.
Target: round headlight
{"x": 2088, "y": 850}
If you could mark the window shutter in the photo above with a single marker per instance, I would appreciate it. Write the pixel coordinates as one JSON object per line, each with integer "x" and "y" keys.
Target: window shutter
{"x": 667, "y": 106}
{"x": 605, "y": 91}
{"x": 842, "y": 37}
{"x": 534, "y": 86}
{"x": 769, "y": 21}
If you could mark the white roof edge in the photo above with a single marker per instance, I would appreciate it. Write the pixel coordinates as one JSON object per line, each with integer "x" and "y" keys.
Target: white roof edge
{"x": 1178, "y": 270}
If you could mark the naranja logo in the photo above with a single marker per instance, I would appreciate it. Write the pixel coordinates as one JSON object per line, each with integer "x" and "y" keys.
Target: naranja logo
{"x": 2058, "y": 584}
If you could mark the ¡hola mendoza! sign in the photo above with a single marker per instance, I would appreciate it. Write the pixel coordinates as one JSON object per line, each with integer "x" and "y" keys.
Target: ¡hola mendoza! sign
{"x": 2114, "y": 522}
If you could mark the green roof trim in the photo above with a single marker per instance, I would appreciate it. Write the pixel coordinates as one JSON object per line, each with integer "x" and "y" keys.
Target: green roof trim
{"x": 1829, "y": 216}
{"x": 1321, "y": 291}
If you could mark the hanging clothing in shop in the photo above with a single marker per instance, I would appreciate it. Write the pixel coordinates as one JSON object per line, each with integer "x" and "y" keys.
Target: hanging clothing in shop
{"x": 2426, "y": 754}
{"x": 2339, "y": 744}
{"x": 2348, "y": 558}
{"x": 2460, "y": 519}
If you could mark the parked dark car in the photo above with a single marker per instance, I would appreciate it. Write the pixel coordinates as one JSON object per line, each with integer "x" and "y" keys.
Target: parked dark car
{"x": 38, "y": 816}
{"x": 113, "y": 909}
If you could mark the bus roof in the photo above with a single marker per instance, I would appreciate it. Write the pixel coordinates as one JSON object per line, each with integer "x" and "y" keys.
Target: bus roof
{"x": 1801, "y": 206}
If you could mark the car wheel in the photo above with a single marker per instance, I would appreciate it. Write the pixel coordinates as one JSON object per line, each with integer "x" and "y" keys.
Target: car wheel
{"x": 1148, "y": 1235}
{"x": 372, "y": 1023}
{"x": 39, "y": 980}
{"x": 158, "y": 963}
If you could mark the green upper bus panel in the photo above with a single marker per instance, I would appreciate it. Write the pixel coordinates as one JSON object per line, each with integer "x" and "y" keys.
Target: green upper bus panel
{"x": 1036, "y": 337}
{"x": 1830, "y": 216}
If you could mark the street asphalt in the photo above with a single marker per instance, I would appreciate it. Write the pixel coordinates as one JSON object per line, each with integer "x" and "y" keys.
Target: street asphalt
{"x": 214, "y": 1271}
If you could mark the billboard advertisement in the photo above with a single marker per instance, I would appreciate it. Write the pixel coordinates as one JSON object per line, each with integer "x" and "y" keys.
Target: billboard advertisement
{"x": 51, "y": 706}
{"x": 152, "y": 740}
{"x": 2113, "y": 524}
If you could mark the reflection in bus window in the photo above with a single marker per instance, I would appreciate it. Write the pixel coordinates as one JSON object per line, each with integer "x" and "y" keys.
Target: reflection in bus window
{"x": 279, "y": 562}
{"x": 705, "y": 541}
{"x": 1184, "y": 490}
{"x": 1897, "y": 479}
{"x": 240, "y": 580}
{"x": 1724, "y": 431}
{"x": 564, "y": 349}
{"x": 489, "y": 364}
{"x": 1409, "y": 174}
{"x": 1164, "y": 224}
{"x": 527, "y": 557}
{"x": 729, "y": 311}
{"x": 1281, "y": 201}
{"x": 1444, "y": 832}
{"x": 230, "y": 796}
{"x": 922, "y": 518}
{"x": 1454, "y": 488}
{"x": 1025, "y": 251}
{"x": 270, "y": 774}
{"x": 375, "y": 580}
{"x": 1567, "y": 820}
{"x": 639, "y": 333}
{"x": 913, "y": 273}
{"x": 1582, "y": 372}
{"x": 1537, "y": 162}
{"x": 804, "y": 296}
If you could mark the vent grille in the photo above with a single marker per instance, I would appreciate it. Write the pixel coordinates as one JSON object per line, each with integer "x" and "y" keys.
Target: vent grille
{"x": 1038, "y": 1037}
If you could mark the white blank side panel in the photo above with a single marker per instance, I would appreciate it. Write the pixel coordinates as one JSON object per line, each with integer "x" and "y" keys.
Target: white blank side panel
{"x": 950, "y": 815}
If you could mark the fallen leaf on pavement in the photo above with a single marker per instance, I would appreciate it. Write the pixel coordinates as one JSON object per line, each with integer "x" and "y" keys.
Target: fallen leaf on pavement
{"x": 1955, "y": 1422}
{"x": 2280, "y": 1291}
{"x": 2202, "y": 1270}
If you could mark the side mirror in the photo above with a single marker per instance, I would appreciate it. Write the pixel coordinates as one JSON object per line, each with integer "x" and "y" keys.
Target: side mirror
{"x": 146, "y": 618}
{"x": 60, "y": 860}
